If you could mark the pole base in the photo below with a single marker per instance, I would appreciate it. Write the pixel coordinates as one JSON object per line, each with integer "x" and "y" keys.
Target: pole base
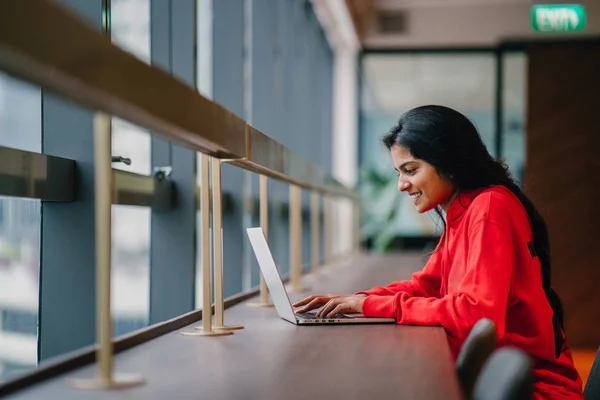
{"x": 226, "y": 327}
{"x": 118, "y": 381}
{"x": 260, "y": 305}
{"x": 207, "y": 333}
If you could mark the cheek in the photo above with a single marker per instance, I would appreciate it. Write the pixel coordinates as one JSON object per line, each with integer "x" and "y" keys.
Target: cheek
{"x": 442, "y": 193}
{"x": 438, "y": 192}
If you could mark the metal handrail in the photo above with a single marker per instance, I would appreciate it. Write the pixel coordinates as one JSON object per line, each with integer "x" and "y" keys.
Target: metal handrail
{"x": 44, "y": 43}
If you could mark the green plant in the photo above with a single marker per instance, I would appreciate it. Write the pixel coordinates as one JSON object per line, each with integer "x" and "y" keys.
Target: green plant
{"x": 380, "y": 200}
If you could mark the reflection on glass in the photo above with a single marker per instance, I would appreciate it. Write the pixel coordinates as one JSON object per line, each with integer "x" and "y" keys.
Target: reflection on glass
{"x": 130, "y": 29}
{"x": 19, "y": 284}
{"x": 20, "y": 221}
{"x": 514, "y": 113}
{"x": 204, "y": 85}
{"x": 393, "y": 84}
{"x": 130, "y": 26}
{"x": 130, "y": 268}
{"x": 133, "y": 142}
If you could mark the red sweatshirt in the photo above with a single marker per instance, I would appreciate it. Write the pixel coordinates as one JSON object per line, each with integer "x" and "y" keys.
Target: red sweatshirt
{"x": 484, "y": 268}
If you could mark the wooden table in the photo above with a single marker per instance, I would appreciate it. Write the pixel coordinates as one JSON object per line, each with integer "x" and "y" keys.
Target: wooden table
{"x": 273, "y": 359}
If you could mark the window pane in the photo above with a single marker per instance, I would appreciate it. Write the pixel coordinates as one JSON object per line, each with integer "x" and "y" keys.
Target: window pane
{"x": 20, "y": 222}
{"x": 204, "y": 52}
{"x": 130, "y": 29}
{"x": 514, "y": 113}
{"x": 19, "y": 284}
{"x": 130, "y": 26}
{"x": 130, "y": 268}
{"x": 133, "y": 142}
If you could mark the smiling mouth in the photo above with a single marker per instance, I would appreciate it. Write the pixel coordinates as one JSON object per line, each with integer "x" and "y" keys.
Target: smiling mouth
{"x": 416, "y": 196}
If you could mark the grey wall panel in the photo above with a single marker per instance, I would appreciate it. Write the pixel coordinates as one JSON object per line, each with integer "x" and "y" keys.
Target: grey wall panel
{"x": 278, "y": 192}
{"x": 90, "y": 11}
{"x": 172, "y": 263}
{"x": 228, "y": 90}
{"x": 160, "y": 55}
{"x": 183, "y": 40}
{"x": 160, "y": 33}
{"x": 67, "y": 268}
{"x": 263, "y": 106}
{"x": 264, "y": 27}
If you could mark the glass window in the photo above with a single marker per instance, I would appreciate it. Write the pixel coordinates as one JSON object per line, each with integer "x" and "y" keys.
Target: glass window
{"x": 130, "y": 268}
{"x": 514, "y": 93}
{"x": 20, "y": 223}
{"x": 393, "y": 84}
{"x": 130, "y": 26}
{"x": 130, "y": 29}
{"x": 204, "y": 85}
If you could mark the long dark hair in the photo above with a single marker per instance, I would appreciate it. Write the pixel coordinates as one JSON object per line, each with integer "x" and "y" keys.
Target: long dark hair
{"x": 447, "y": 140}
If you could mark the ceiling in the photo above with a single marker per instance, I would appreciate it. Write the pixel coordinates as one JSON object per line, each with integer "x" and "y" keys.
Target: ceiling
{"x": 389, "y": 24}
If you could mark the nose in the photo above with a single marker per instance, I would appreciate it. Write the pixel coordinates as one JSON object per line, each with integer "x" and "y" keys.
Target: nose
{"x": 403, "y": 185}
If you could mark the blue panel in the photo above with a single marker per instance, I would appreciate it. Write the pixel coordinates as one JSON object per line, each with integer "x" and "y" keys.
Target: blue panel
{"x": 264, "y": 111}
{"x": 183, "y": 40}
{"x": 172, "y": 260}
{"x": 263, "y": 66}
{"x": 160, "y": 33}
{"x": 278, "y": 192}
{"x": 67, "y": 268}
{"x": 228, "y": 90}
{"x": 228, "y": 54}
{"x": 90, "y": 11}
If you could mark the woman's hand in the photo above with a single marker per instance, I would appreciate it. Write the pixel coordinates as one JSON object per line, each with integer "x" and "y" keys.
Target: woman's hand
{"x": 333, "y": 304}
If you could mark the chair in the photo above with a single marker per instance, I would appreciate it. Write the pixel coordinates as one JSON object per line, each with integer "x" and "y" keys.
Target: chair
{"x": 507, "y": 375}
{"x": 592, "y": 387}
{"x": 473, "y": 354}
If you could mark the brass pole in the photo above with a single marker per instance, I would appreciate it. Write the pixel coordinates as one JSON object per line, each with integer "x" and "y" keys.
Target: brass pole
{"x": 328, "y": 232}
{"x": 103, "y": 209}
{"x": 264, "y": 224}
{"x": 314, "y": 228}
{"x": 217, "y": 203}
{"x": 296, "y": 239}
{"x": 206, "y": 329}
{"x": 357, "y": 227}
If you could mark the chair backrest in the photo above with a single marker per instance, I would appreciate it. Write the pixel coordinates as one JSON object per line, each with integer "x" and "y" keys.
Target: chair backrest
{"x": 507, "y": 375}
{"x": 592, "y": 387}
{"x": 474, "y": 352}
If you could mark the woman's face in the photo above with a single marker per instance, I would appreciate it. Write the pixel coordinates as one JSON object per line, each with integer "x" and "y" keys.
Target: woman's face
{"x": 421, "y": 181}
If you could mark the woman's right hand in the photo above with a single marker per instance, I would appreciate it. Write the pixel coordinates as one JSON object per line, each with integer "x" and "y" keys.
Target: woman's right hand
{"x": 316, "y": 301}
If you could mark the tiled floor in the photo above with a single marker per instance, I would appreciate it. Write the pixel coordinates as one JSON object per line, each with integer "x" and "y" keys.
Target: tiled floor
{"x": 584, "y": 358}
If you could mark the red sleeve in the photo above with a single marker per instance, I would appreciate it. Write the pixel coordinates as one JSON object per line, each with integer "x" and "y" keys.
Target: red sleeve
{"x": 483, "y": 291}
{"x": 425, "y": 283}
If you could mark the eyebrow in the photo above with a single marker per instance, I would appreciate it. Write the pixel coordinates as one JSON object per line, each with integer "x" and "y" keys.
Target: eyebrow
{"x": 404, "y": 165}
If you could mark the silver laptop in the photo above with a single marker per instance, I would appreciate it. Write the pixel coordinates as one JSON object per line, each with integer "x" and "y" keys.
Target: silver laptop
{"x": 280, "y": 296}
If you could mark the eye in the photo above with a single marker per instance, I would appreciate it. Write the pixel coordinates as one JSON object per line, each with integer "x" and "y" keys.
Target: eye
{"x": 410, "y": 171}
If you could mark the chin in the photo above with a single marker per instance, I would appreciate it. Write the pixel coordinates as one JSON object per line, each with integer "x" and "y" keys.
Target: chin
{"x": 421, "y": 209}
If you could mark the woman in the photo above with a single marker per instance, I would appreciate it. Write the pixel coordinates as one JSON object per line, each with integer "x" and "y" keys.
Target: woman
{"x": 492, "y": 260}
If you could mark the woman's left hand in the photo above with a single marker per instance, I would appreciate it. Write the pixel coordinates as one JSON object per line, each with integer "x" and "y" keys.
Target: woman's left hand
{"x": 342, "y": 304}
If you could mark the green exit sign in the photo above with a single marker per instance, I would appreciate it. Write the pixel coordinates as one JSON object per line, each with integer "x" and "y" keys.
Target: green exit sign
{"x": 558, "y": 17}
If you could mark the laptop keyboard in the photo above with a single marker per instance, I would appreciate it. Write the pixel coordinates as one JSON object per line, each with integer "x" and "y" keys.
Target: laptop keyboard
{"x": 313, "y": 316}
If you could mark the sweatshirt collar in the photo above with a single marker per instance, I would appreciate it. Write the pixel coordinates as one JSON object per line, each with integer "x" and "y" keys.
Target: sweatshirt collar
{"x": 460, "y": 204}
